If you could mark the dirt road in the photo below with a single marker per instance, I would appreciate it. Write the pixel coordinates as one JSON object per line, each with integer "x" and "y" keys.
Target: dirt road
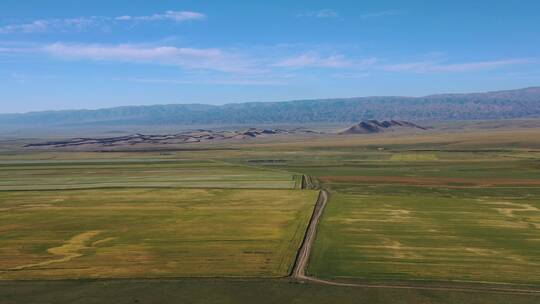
{"x": 300, "y": 265}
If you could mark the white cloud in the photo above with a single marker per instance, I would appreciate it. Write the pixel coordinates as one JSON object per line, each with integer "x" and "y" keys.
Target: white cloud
{"x": 253, "y": 62}
{"x": 15, "y": 49}
{"x": 356, "y": 75}
{"x": 177, "y": 16}
{"x": 25, "y": 77}
{"x": 80, "y": 23}
{"x": 45, "y": 25}
{"x": 323, "y": 13}
{"x": 438, "y": 67}
{"x": 123, "y": 18}
{"x": 35, "y": 26}
{"x": 194, "y": 58}
{"x": 210, "y": 81}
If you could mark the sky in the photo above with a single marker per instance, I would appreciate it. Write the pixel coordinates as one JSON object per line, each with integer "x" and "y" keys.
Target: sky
{"x": 73, "y": 54}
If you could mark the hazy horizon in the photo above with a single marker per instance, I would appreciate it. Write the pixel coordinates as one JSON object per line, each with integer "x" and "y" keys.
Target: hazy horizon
{"x": 248, "y": 101}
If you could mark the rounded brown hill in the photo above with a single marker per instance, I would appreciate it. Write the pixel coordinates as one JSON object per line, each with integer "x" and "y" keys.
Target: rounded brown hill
{"x": 375, "y": 126}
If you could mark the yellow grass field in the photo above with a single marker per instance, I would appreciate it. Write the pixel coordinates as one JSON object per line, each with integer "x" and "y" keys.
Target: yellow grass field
{"x": 145, "y": 233}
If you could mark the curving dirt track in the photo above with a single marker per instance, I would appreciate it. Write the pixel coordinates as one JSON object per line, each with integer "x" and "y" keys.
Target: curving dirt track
{"x": 302, "y": 258}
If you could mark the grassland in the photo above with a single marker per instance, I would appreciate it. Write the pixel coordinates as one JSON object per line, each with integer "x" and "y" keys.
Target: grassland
{"x": 405, "y": 214}
{"x": 428, "y": 216}
{"x": 151, "y": 232}
{"x": 133, "y": 172}
{"x": 125, "y": 215}
{"x": 233, "y": 291}
{"x": 403, "y": 234}
{"x": 458, "y": 209}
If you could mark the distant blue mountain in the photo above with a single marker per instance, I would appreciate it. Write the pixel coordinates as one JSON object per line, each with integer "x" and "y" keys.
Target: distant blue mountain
{"x": 490, "y": 105}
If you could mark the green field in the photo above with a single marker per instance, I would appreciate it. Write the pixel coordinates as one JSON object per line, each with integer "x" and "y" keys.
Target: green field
{"x": 400, "y": 215}
{"x": 123, "y": 233}
{"x": 127, "y": 215}
{"x": 232, "y": 291}
{"x": 483, "y": 235}
{"x": 434, "y": 216}
{"x": 459, "y": 211}
{"x": 133, "y": 172}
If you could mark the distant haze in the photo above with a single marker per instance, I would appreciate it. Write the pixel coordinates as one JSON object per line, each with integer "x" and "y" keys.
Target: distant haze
{"x": 521, "y": 103}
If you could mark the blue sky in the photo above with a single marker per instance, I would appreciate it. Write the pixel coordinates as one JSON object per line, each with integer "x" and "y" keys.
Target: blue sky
{"x": 75, "y": 54}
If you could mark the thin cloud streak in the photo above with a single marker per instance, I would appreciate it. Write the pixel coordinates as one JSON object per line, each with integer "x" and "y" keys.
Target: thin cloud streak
{"x": 248, "y": 62}
{"x": 45, "y": 25}
{"x": 32, "y": 27}
{"x": 176, "y": 16}
{"x": 81, "y": 23}
{"x": 191, "y": 58}
{"x": 438, "y": 67}
{"x": 314, "y": 60}
{"x": 227, "y": 81}
{"x": 323, "y": 13}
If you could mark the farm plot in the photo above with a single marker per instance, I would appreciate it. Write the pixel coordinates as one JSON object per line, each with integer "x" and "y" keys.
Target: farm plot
{"x": 403, "y": 233}
{"x": 131, "y": 173}
{"x": 149, "y": 233}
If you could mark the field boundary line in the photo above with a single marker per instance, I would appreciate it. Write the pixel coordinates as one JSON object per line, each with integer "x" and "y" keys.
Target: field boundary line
{"x": 428, "y": 288}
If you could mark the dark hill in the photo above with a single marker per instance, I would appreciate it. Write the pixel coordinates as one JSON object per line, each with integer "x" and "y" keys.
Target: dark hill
{"x": 375, "y": 126}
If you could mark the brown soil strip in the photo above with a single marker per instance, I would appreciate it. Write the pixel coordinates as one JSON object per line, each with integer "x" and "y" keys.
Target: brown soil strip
{"x": 431, "y": 181}
{"x": 428, "y": 288}
{"x": 300, "y": 265}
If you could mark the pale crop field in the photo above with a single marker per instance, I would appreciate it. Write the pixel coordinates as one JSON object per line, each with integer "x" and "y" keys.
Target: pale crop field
{"x": 151, "y": 233}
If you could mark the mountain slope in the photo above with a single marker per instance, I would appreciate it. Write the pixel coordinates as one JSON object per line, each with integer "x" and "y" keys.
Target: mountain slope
{"x": 491, "y": 105}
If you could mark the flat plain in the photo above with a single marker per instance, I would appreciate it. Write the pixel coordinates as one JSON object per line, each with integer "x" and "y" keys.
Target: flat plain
{"x": 459, "y": 210}
{"x": 114, "y": 215}
{"x": 400, "y": 213}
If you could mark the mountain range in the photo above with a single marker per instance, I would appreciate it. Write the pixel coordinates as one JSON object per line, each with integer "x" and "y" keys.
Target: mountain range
{"x": 521, "y": 103}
